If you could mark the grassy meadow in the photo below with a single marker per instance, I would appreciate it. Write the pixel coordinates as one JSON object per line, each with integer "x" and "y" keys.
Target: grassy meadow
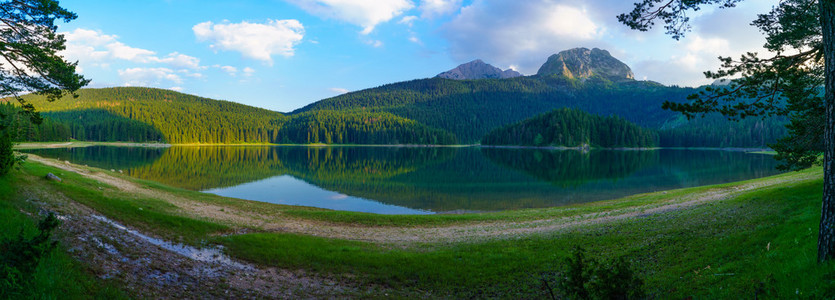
{"x": 758, "y": 243}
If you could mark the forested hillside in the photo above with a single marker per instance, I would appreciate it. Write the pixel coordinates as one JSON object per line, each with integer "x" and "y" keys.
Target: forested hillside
{"x": 572, "y": 128}
{"x": 715, "y": 131}
{"x": 422, "y": 111}
{"x": 87, "y": 125}
{"x": 147, "y": 114}
{"x": 471, "y": 108}
{"x": 359, "y": 127}
{"x": 425, "y": 111}
{"x": 180, "y": 117}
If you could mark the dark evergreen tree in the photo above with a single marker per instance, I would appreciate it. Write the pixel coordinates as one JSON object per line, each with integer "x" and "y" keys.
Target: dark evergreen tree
{"x": 572, "y": 128}
{"x": 29, "y": 46}
{"x": 802, "y": 34}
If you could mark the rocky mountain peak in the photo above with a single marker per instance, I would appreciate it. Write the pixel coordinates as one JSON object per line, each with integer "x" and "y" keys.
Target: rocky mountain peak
{"x": 477, "y": 69}
{"x": 583, "y": 63}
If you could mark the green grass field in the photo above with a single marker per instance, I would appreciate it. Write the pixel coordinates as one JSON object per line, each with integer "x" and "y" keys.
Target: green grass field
{"x": 58, "y": 276}
{"x": 760, "y": 243}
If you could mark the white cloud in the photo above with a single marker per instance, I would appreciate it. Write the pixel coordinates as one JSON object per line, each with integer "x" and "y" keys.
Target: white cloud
{"x": 721, "y": 32}
{"x": 190, "y": 74}
{"x": 692, "y": 56}
{"x": 89, "y": 37}
{"x": 374, "y": 43}
{"x": 714, "y": 46}
{"x": 364, "y": 13}
{"x": 119, "y": 50}
{"x": 248, "y": 71}
{"x": 91, "y": 47}
{"x": 232, "y": 71}
{"x": 179, "y": 60}
{"x": 435, "y": 8}
{"x": 525, "y": 33}
{"x": 407, "y": 20}
{"x": 254, "y": 40}
{"x": 149, "y": 76}
{"x": 505, "y": 32}
{"x": 176, "y": 88}
{"x": 338, "y": 90}
{"x": 96, "y": 51}
{"x": 85, "y": 45}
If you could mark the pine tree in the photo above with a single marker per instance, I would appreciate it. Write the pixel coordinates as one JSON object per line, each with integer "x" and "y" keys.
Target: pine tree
{"x": 802, "y": 34}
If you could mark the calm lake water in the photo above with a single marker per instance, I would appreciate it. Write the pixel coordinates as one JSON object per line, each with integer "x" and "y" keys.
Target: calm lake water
{"x": 419, "y": 180}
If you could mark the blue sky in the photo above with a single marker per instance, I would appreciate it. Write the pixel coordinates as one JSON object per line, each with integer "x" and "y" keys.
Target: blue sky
{"x": 282, "y": 55}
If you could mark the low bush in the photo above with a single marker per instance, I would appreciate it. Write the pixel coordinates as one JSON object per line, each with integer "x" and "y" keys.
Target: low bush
{"x": 587, "y": 278}
{"x": 20, "y": 256}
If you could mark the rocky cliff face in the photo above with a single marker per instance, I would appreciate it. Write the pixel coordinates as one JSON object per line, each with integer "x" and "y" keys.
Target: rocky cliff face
{"x": 583, "y": 63}
{"x": 478, "y": 69}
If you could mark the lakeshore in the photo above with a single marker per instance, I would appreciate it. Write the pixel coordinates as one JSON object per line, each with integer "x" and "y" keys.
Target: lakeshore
{"x": 761, "y": 230}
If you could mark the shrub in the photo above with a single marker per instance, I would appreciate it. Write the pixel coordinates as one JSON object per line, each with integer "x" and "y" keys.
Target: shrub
{"x": 19, "y": 257}
{"x": 587, "y": 278}
{"x": 7, "y": 157}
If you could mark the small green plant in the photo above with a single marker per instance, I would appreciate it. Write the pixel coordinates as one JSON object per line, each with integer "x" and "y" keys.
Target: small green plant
{"x": 7, "y": 157}
{"x": 587, "y": 278}
{"x": 20, "y": 256}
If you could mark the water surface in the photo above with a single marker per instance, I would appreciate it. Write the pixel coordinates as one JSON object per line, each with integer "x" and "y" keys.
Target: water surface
{"x": 419, "y": 180}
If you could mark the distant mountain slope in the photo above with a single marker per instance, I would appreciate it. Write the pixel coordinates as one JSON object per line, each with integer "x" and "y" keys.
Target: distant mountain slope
{"x": 572, "y": 128}
{"x": 88, "y": 125}
{"x": 359, "y": 127}
{"x": 478, "y": 69}
{"x": 590, "y": 80}
{"x": 585, "y": 63}
{"x": 469, "y": 109}
{"x": 183, "y": 118}
{"x": 434, "y": 110}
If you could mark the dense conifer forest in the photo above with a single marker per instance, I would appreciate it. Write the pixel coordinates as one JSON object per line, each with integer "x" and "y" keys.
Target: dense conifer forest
{"x": 359, "y": 127}
{"x": 715, "y": 131}
{"x": 471, "y": 108}
{"x": 162, "y": 115}
{"x": 424, "y": 111}
{"x": 85, "y": 125}
{"x": 572, "y": 128}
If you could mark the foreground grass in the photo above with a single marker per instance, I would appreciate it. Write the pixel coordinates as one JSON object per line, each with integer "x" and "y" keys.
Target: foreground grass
{"x": 757, "y": 244}
{"x": 58, "y": 276}
{"x": 150, "y": 215}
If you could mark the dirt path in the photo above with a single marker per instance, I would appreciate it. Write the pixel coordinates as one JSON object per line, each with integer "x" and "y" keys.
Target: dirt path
{"x": 408, "y": 235}
{"x": 150, "y": 269}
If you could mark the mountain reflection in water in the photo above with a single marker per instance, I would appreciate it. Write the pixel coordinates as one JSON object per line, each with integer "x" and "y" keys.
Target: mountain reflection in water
{"x": 415, "y": 180}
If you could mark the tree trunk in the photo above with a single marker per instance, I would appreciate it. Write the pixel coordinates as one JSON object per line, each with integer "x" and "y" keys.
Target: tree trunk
{"x": 826, "y": 237}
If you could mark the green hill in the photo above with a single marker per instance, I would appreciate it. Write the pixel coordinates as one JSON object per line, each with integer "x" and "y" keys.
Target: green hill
{"x": 572, "y": 128}
{"x": 589, "y": 80}
{"x": 423, "y": 111}
{"x": 471, "y": 108}
{"x": 181, "y": 118}
{"x": 157, "y": 114}
{"x": 359, "y": 127}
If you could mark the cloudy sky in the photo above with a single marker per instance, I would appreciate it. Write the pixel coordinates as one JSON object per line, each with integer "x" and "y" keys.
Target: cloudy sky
{"x": 282, "y": 55}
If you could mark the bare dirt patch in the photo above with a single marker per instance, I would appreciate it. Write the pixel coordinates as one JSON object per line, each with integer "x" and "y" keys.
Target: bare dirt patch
{"x": 151, "y": 271}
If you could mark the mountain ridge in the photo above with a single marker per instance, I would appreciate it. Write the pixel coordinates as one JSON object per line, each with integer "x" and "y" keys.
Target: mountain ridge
{"x": 431, "y": 110}
{"x": 581, "y": 63}
{"x": 478, "y": 69}
{"x": 189, "y": 119}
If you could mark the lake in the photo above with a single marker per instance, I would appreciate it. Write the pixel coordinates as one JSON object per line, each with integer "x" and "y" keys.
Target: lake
{"x": 421, "y": 180}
